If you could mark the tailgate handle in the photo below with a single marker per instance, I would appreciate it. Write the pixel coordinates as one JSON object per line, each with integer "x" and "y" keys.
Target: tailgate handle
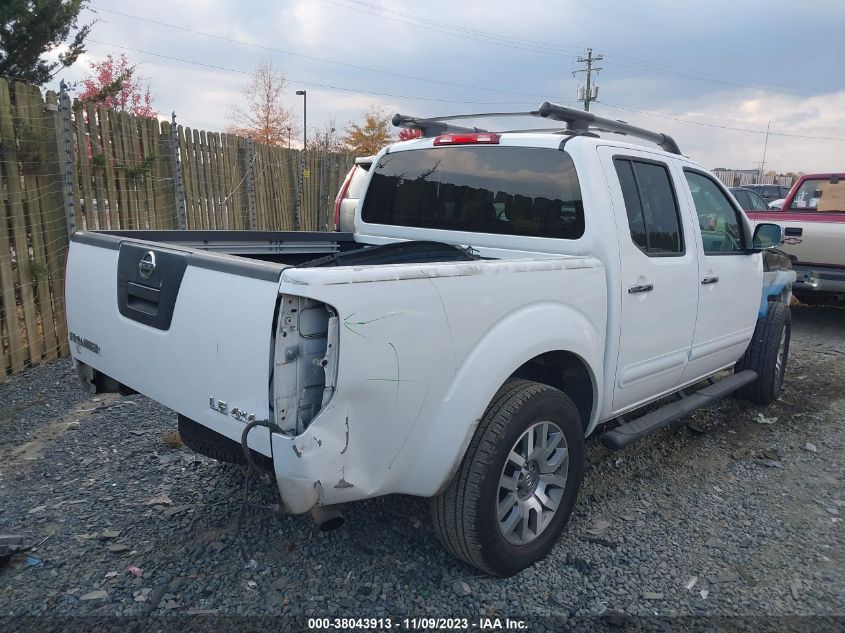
{"x": 793, "y": 230}
{"x": 142, "y": 298}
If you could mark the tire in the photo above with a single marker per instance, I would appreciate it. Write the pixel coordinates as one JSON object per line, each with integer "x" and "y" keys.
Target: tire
{"x": 767, "y": 354}
{"x": 465, "y": 515}
{"x": 206, "y": 442}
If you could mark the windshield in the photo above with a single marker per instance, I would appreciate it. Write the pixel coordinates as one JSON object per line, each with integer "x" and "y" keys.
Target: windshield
{"x": 479, "y": 189}
{"x": 816, "y": 194}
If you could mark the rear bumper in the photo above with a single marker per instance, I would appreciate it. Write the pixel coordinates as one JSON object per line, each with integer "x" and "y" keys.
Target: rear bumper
{"x": 312, "y": 468}
{"x": 819, "y": 279}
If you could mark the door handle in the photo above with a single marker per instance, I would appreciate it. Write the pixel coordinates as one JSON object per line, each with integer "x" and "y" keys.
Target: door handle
{"x": 640, "y": 288}
{"x": 793, "y": 230}
{"x": 709, "y": 280}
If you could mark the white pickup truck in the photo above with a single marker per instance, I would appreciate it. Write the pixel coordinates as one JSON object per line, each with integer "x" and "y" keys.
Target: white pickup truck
{"x": 502, "y": 296}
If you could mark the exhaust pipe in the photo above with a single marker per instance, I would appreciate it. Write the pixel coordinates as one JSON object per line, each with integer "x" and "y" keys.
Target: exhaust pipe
{"x": 327, "y": 518}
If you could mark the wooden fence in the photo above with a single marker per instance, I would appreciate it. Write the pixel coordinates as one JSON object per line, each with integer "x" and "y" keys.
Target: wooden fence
{"x": 67, "y": 163}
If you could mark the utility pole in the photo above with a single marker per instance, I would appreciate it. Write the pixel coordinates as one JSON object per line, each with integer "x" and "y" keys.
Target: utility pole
{"x": 765, "y": 145}
{"x": 591, "y": 93}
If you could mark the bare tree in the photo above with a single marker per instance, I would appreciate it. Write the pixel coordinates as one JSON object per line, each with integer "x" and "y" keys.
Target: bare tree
{"x": 265, "y": 116}
{"x": 326, "y": 139}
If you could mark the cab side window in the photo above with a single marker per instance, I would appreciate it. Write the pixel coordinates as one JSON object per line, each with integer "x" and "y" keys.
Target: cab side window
{"x": 652, "y": 208}
{"x": 721, "y": 228}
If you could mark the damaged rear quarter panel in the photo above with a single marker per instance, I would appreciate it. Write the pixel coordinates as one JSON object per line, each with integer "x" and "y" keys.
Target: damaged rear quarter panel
{"x": 407, "y": 333}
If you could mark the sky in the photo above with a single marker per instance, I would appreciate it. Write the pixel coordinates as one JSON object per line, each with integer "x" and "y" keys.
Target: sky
{"x": 711, "y": 74}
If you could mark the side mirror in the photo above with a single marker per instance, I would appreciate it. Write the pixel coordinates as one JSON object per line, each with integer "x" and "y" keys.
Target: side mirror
{"x": 767, "y": 235}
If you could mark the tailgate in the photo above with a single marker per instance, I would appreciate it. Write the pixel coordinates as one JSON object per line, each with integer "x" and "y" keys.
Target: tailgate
{"x": 191, "y": 330}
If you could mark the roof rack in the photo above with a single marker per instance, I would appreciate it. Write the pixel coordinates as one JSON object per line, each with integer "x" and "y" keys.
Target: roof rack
{"x": 577, "y": 122}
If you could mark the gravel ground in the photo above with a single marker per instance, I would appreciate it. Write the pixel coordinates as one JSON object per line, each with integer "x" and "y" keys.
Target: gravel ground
{"x": 739, "y": 514}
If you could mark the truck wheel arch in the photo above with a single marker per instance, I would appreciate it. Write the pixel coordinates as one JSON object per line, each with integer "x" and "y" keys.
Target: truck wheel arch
{"x": 548, "y": 368}
{"x": 568, "y": 373}
{"x": 518, "y": 345}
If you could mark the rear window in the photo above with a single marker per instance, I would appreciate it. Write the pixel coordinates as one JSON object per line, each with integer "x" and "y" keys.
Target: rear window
{"x": 816, "y": 194}
{"x": 357, "y": 182}
{"x": 502, "y": 190}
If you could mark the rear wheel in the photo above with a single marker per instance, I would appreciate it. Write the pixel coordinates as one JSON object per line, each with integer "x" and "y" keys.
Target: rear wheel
{"x": 518, "y": 482}
{"x": 767, "y": 354}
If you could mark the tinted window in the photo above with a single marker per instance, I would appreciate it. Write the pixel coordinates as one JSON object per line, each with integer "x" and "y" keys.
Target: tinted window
{"x": 651, "y": 207}
{"x": 756, "y": 203}
{"x": 357, "y": 182}
{"x": 721, "y": 230}
{"x": 742, "y": 197}
{"x": 636, "y": 222}
{"x": 480, "y": 189}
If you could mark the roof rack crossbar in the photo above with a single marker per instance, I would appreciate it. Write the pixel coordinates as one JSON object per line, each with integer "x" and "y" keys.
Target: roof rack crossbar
{"x": 577, "y": 121}
{"x": 430, "y": 127}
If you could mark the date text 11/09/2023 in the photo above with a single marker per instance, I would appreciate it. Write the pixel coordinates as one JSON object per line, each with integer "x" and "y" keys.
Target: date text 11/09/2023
{"x": 417, "y": 624}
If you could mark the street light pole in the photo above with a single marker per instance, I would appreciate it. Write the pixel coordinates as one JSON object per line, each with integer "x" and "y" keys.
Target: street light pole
{"x": 298, "y": 213}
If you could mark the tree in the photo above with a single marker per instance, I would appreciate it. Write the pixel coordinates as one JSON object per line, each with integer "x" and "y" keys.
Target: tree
{"x": 406, "y": 134}
{"x": 370, "y": 137}
{"x": 30, "y": 28}
{"x": 265, "y": 118}
{"x": 326, "y": 139}
{"x": 114, "y": 85}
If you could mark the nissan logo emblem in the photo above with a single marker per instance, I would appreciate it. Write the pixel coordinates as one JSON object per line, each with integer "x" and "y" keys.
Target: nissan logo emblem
{"x": 147, "y": 265}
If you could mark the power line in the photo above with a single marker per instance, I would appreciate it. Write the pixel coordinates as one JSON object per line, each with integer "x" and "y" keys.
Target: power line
{"x": 313, "y": 57}
{"x": 548, "y": 48}
{"x": 682, "y": 74}
{"x": 721, "y": 127}
{"x": 299, "y": 81}
{"x": 307, "y": 83}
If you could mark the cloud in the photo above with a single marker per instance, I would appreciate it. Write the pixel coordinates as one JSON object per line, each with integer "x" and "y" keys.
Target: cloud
{"x": 699, "y": 62}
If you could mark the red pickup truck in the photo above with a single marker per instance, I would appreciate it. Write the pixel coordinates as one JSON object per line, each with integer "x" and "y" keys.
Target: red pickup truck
{"x": 813, "y": 217}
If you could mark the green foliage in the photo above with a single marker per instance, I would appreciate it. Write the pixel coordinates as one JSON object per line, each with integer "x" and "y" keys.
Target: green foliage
{"x": 38, "y": 270}
{"x": 99, "y": 160}
{"x": 139, "y": 170}
{"x": 30, "y": 147}
{"x": 30, "y": 28}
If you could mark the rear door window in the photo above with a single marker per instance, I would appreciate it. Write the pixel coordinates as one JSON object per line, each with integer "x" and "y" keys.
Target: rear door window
{"x": 478, "y": 189}
{"x": 651, "y": 206}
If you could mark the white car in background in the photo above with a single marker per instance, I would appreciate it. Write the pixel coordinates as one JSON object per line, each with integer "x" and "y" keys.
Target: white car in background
{"x": 350, "y": 191}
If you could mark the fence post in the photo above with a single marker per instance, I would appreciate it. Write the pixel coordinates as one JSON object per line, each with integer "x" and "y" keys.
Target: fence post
{"x": 64, "y": 112}
{"x": 322, "y": 210}
{"x": 250, "y": 185}
{"x": 299, "y": 192}
{"x": 181, "y": 215}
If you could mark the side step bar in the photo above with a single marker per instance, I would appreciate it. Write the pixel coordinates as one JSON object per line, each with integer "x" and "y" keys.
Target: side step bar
{"x": 623, "y": 435}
